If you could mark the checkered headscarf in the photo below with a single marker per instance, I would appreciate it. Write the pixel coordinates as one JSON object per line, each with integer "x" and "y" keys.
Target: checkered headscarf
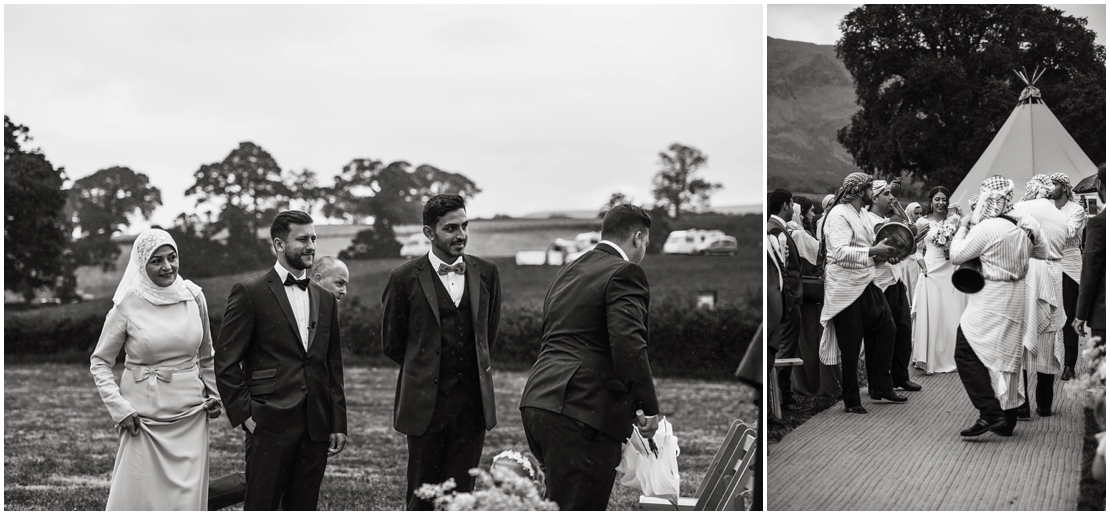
{"x": 995, "y": 198}
{"x": 1063, "y": 178}
{"x": 854, "y": 185}
{"x": 1038, "y": 187}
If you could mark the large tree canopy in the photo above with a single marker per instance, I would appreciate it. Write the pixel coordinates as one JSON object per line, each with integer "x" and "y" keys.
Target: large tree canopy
{"x": 100, "y": 204}
{"x": 247, "y": 185}
{"x": 936, "y": 82}
{"x": 366, "y": 189}
{"x": 34, "y": 221}
{"x": 676, "y": 185}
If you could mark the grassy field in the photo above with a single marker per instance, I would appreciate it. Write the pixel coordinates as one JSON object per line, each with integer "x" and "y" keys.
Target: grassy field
{"x": 59, "y": 445}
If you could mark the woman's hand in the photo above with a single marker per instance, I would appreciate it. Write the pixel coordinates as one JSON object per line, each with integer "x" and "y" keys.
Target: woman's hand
{"x": 131, "y": 424}
{"x": 213, "y": 408}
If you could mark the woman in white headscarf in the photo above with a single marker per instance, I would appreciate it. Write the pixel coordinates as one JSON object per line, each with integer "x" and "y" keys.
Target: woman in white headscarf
{"x": 167, "y": 392}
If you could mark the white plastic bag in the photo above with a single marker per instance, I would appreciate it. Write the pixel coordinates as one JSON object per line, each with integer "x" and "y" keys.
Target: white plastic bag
{"x": 640, "y": 468}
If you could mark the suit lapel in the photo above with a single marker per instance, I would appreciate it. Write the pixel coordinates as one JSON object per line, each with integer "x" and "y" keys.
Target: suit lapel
{"x": 313, "y": 312}
{"x": 424, "y": 273}
{"x": 474, "y": 283}
{"x": 278, "y": 289}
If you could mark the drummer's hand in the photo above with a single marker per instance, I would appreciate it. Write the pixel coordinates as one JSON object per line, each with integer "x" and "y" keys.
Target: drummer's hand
{"x": 131, "y": 424}
{"x": 881, "y": 250}
{"x": 893, "y": 260}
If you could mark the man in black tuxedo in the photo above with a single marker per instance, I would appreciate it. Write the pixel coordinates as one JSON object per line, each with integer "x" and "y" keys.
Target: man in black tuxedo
{"x": 279, "y": 370}
{"x": 439, "y": 320}
{"x": 780, "y": 203}
{"x": 592, "y": 374}
{"x": 1091, "y": 307}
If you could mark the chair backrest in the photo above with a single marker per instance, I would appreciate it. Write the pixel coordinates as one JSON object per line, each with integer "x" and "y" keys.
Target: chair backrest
{"x": 738, "y": 441}
{"x": 740, "y": 478}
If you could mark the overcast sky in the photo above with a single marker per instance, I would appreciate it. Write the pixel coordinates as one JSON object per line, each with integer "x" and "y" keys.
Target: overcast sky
{"x": 544, "y": 107}
{"x": 818, "y": 23}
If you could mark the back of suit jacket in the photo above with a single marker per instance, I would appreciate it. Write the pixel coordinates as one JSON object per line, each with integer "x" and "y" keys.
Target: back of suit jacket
{"x": 263, "y": 370}
{"x": 1091, "y": 305}
{"x": 593, "y": 363}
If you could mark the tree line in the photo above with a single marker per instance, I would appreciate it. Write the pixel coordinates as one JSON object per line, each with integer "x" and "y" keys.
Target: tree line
{"x": 50, "y": 230}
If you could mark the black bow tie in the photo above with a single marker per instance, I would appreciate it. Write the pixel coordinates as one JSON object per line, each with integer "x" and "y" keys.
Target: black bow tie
{"x": 458, "y": 268}
{"x": 302, "y": 284}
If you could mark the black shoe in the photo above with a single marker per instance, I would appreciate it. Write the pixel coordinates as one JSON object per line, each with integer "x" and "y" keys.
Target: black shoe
{"x": 889, "y": 395}
{"x": 909, "y": 386}
{"x": 1005, "y": 430}
{"x": 855, "y": 409}
{"x": 1044, "y": 412}
{"x": 1068, "y": 375}
{"x": 1023, "y": 413}
{"x": 982, "y": 426}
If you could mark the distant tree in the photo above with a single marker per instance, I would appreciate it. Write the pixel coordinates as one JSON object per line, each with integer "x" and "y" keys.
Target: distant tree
{"x": 676, "y": 185}
{"x": 377, "y": 241}
{"x": 660, "y": 229}
{"x": 936, "y": 82}
{"x": 305, "y": 192}
{"x": 99, "y": 205}
{"x": 366, "y": 189}
{"x": 247, "y": 186}
{"x": 614, "y": 199}
{"x": 35, "y": 229}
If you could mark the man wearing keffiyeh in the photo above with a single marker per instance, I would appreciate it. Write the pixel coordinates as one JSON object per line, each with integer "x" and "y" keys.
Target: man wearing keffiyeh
{"x": 854, "y": 309}
{"x": 888, "y": 277}
{"x": 989, "y": 340}
{"x": 1072, "y": 263}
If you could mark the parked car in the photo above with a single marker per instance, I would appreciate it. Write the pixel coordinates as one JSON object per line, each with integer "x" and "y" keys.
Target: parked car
{"x": 417, "y": 245}
{"x": 723, "y": 246}
{"x": 688, "y": 241}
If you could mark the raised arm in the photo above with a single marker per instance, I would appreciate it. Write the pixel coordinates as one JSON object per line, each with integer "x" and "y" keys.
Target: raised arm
{"x": 626, "y": 315}
{"x": 112, "y": 338}
{"x": 968, "y": 244}
{"x": 231, "y": 348}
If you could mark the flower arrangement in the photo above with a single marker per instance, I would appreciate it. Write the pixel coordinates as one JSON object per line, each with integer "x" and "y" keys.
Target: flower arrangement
{"x": 496, "y": 490}
{"x": 1090, "y": 380}
{"x": 944, "y": 235}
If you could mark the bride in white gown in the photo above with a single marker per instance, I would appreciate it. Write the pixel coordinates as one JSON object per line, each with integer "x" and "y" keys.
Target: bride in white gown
{"x": 937, "y": 305}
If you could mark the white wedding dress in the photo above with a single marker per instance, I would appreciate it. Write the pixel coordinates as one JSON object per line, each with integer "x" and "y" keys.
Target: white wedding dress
{"x": 936, "y": 309}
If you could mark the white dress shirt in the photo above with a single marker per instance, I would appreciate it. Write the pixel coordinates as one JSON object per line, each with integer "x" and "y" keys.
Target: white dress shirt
{"x": 455, "y": 283}
{"x": 298, "y": 300}
{"x": 615, "y": 246}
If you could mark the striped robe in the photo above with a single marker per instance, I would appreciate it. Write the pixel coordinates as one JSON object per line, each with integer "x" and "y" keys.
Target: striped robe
{"x": 994, "y": 321}
{"x": 1072, "y": 256}
{"x": 848, "y": 270}
{"x": 1044, "y": 291}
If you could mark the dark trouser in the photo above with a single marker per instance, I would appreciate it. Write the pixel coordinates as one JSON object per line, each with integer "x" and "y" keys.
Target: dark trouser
{"x": 1044, "y": 390}
{"x": 977, "y": 381}
{"x": 1071, "y": 339}
{"x": 898, "y": 301}
{"x": 227, "y": 491}
{"x": 580, "y": 461}
{"x": 449, "y": 448}
{"x": 866, "y": 321}
{"x": 284, "y": 468}
{"x": 789, "y": 330}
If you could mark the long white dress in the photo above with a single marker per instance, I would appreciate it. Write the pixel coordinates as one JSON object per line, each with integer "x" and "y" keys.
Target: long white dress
{"x": 168, "y": 376}
{"x": 936, "y": 309}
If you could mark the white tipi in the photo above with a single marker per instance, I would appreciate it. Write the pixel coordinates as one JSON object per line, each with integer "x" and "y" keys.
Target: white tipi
{"x": 1032, "y": 141}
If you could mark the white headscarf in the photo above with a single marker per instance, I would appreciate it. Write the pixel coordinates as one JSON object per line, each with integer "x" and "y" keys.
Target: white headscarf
{"x": 135, "y": 279}
{"x": 910, "y": 212}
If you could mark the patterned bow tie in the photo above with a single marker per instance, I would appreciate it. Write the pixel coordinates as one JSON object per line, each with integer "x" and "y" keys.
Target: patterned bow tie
{"x": 458, "y": 268}
{"x": 302, "y": 284}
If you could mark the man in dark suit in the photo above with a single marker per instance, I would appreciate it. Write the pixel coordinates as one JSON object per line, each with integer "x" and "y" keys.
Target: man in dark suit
{"x": 780, "y": 204}
{"x": 1091, "y": 307}
{"x": 279, "y": 370}
{"x": 439, "y": 320}
{"x": 592, "y": 375}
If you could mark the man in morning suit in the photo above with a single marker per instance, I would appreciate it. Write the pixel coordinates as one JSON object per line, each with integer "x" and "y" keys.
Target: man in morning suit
{"x": 279, "y": 369}
{"x": 781, "y": 205}
{"x": 439, "y": 321}
{"x": 579, "y": 403}
{"x": 1091, "y": 307}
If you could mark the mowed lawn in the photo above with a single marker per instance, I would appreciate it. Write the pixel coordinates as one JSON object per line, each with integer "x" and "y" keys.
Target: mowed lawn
{"x": 59, "y": 444}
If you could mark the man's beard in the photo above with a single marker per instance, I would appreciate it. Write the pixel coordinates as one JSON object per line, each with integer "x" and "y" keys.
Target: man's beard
{"x": 445, "y": 247}
{"x": 295, "y": 259}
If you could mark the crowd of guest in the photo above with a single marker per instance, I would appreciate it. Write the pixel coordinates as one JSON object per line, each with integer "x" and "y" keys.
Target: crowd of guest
{"x": 846, "y": 292}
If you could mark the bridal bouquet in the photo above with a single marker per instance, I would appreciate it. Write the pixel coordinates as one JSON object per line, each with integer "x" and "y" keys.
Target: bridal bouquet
{"x": 943, "y": 237}
{"x": 496, "y": 490}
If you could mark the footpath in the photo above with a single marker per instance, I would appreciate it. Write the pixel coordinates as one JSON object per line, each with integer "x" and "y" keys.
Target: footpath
{"x": 910, "y": 456}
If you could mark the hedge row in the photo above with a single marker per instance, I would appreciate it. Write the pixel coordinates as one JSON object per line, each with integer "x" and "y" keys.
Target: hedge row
{"x": 684, "y": 341}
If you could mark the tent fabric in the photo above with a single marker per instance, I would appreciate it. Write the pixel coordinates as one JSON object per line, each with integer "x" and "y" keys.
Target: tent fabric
{"x": 1032, "y": 141}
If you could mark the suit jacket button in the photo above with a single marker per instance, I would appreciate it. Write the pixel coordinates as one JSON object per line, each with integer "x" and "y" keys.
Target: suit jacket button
{"x": 435, "y": 380}
{"x": 304, "y": 388}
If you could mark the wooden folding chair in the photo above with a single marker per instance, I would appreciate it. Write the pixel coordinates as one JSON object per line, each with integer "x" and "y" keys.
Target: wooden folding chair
{"x": 733, "y": 458}
{"x": 773, "y": 384}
